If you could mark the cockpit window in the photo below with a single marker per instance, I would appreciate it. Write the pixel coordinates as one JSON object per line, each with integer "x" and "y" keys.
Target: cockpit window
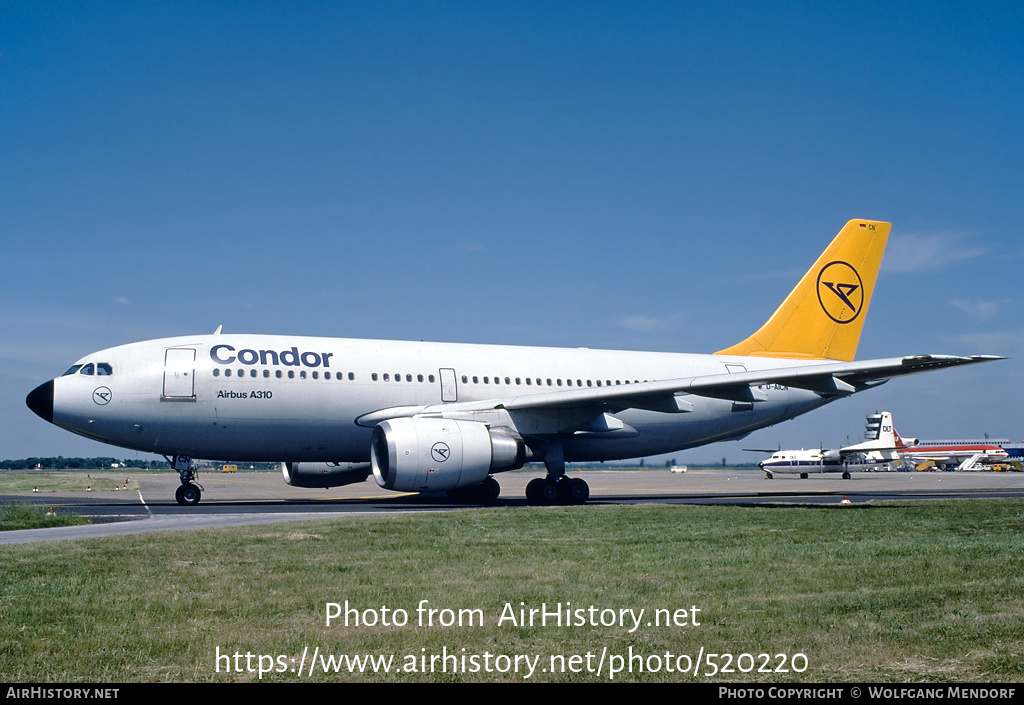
{"x": 104, "y": 369}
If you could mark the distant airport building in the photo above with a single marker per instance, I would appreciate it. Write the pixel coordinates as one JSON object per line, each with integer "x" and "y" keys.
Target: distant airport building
{"x": 1015, "y": 450}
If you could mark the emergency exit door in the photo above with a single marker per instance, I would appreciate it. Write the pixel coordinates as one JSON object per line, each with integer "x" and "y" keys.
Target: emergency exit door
{"x": 449, "y": 390}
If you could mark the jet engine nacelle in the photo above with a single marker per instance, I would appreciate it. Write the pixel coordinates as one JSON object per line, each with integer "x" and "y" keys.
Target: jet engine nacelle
{"x": 325, "y": 475}
{"x": 421, "y": 454}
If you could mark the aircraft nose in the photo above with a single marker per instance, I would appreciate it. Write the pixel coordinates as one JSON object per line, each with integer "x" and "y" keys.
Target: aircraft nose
{"x": 40, "y": 400}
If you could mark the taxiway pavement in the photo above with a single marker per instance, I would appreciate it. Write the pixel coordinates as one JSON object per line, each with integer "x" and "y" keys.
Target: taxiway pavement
{"x": 236, "y": 499}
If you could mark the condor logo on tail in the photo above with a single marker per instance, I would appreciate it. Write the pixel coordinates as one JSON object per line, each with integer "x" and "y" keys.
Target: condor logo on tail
{"x": 838, "y": 284}
{"x": 840, "y": 292}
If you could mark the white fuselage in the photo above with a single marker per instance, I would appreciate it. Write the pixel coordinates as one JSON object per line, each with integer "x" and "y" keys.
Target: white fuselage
{"x": 952, "y": 453}
{"x": 288, "y": 398}
{"x": 804, "y": 462}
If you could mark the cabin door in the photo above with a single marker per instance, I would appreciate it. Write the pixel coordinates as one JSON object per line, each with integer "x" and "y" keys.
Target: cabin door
{"x": 179, "y": 374}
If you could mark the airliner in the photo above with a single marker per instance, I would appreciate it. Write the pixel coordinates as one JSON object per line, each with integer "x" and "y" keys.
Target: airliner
{"x": 878, "y": 452}
{"x": 965, "y": 454}
{"x": 428, "y": 416}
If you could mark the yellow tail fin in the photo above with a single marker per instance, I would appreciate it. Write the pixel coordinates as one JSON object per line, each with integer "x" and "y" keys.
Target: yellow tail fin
{"x": 823, "y": 316}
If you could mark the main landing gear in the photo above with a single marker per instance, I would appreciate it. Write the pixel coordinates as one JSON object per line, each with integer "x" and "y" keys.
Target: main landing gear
{"x": 485, "y": 493}
{"x": 564, "y": 490}
{"x": 556, "y": 488}
{"x": 190, "y": 492}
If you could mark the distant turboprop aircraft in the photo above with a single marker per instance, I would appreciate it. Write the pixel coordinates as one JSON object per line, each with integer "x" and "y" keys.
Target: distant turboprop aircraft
{"x": 425, "y": 416}
{"x": 877, "y": 452}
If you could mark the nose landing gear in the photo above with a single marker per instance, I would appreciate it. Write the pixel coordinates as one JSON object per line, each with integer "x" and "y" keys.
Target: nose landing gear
{"x": 190, "y": 492}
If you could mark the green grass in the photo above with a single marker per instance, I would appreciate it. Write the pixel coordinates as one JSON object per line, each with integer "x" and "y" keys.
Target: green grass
{"x": 890, "y": 592}
{"x": 27, "y": 516}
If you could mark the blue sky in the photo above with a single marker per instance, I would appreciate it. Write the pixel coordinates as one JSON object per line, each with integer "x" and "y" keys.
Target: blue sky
{"x": 635, "y": 175}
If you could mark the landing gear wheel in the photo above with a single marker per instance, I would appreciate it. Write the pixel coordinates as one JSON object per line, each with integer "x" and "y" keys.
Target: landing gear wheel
{"x": 188, "y": 494}
{"x": 548, "y": 492}
{"x": 803, "y": 476}
{"x": 541, "y": 491}
{"x": 489, "y": 491}
{"x": 846, "y": 476}
{"x": 537, "y": 491}
{"x": 574, "y": 491}
{"x": 485, "y": 493}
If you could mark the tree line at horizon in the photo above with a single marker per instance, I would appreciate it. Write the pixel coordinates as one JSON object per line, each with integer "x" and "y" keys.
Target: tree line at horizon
{"x": 99, "y": 463}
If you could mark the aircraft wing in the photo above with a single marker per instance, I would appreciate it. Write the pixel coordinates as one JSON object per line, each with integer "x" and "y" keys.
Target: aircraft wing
{"x": 829, "y": 378}
{"x": 576, "y": 407}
